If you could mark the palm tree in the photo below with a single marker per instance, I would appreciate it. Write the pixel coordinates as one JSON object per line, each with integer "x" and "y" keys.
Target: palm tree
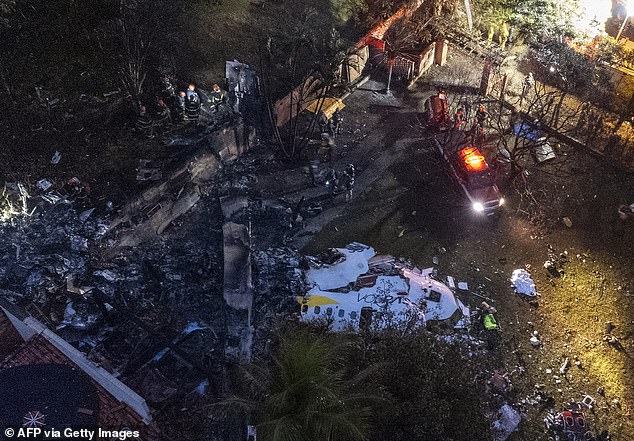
{"x": 303, "y": 395}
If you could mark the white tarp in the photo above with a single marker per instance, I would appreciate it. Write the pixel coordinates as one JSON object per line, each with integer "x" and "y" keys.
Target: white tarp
{"x": 522, "y": 282}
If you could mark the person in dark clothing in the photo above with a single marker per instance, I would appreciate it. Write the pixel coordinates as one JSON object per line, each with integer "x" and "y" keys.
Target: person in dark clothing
{"x": 337, "y": 119}
{"x": 192, "y": 108}
{"x": 182, "y": 102}
{"x": 348, "y": 174}
{"x": 144, "y": 124}
{"x": 327, "y": 146}
{"x": 323, "y": 122}
{"x": 163, "y": 115}
{"x": 459, "y": 120}
{"x": 482, "y": 115}
{"x": 217, "y": 97}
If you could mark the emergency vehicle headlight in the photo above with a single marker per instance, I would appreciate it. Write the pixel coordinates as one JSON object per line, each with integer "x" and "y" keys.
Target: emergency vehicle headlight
{"x": 502, "y": 201}
{"x": 477, "y": 206}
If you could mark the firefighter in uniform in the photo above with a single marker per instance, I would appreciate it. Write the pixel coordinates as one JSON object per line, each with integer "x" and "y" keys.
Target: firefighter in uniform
{"x": 144, "y": 124}
{"x": 192, "y": 107}
{"x": 217, "y": 97}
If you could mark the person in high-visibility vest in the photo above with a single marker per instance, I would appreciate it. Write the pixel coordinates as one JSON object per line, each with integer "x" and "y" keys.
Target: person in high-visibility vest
{"x": 490, "y": 34}
{"x": 504, "y": 35}
{"x": 489, "y": 322}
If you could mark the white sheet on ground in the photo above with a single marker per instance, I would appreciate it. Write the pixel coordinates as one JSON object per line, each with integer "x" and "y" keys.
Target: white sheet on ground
{"x": 522, "y": 282}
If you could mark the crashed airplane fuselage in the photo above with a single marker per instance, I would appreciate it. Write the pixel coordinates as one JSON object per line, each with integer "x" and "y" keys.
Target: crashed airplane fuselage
{"x": 356, "y": 287}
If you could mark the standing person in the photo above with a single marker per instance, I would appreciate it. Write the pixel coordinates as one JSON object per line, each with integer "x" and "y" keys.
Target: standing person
{"x": 327, "y": 146}
{"x": 490, "y": 34}
{"x": 144, "y": 124}
{"x": 338, "y": 121}
{"x": 182, "y": 102}
{"x": 529, "y": 82}
{"x": 349, "y": 173}
{"x": 504, "y": 35}
{"x": 191, "y": 90}
{"x": 163, "y": 115}
{"x": 217, "y": 97}
{"x": 331, "y": 127}
{"x": 192, "y": 108}
{"x": 459, "y": 119}
{"x": 482, "y": 115}
{"x": 323, "y": 122}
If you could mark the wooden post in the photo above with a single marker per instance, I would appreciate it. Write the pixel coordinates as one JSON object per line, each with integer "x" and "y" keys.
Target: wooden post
{"x": 486, "y": 83}
{"x": 440, "y": 53}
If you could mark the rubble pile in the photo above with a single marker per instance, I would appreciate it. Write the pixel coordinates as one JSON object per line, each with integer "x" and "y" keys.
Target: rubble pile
{"x": 38, "y": 254}
{"x": 278, "y": 281}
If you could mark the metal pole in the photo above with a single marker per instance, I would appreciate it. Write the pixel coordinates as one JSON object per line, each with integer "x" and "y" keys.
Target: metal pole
{"x": 622, "y": 27}
{"x": 389, "y": 77}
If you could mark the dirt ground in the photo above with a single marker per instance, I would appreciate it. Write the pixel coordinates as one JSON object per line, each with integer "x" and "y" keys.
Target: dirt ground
{"x": 414, "y": 210}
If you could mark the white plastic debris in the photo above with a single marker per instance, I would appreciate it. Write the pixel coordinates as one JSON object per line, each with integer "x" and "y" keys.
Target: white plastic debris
{"x": 507, "y": 422}
{"x": 110, "y": 276}
{"x": 57, "y": 156}
{"x": 191, "y": 327}
{"x": 44, "y": 185}
{"x": 535, "y": 341}
{"x": 522, "y": 282}
{"x": 201, "y": 389}
{"x": 86, "y": 214}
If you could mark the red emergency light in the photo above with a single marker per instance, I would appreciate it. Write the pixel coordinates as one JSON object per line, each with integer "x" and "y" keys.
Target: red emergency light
{"x": 473, "y": 160}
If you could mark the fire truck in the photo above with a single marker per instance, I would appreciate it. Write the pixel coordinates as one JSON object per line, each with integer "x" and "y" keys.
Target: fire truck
{"x": 471, "y": 172}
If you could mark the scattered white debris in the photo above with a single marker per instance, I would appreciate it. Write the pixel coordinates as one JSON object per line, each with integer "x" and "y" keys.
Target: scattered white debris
{"x": 564, "y": 367}
{"x": 191, "y": 327}
{"x": 84, "y": 215}
{"x": 522, "y": 282}
{"x": 507, "y": 422}
{"x": 110, "y": 276}
{"x": 57, "y": 156}
{"x": 160, "y": 354}
{"x": 44, "y": 185}
{"x": 588, "y": 401}
{"x": 201, "y": 389}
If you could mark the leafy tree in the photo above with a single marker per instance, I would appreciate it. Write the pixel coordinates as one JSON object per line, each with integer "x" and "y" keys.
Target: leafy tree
{"x": 434, "y": 389}
{"x": 534, "y": 20}
{"x": 306, "y": 59}
{"x": 138, "y": 40}
{"x": 304, "y": 394}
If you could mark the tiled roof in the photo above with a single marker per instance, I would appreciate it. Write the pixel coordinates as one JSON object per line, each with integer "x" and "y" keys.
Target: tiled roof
{"x": 113, "y": 414}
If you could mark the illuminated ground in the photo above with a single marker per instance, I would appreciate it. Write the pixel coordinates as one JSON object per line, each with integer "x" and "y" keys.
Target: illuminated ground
{"x": 413, "y": 210}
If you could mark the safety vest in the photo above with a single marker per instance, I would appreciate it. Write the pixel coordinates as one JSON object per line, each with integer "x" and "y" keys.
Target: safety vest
{"x": 489, "y": 322}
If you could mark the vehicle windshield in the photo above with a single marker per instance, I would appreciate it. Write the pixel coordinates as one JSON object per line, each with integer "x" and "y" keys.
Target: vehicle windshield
{"x": 480, "y": 180}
